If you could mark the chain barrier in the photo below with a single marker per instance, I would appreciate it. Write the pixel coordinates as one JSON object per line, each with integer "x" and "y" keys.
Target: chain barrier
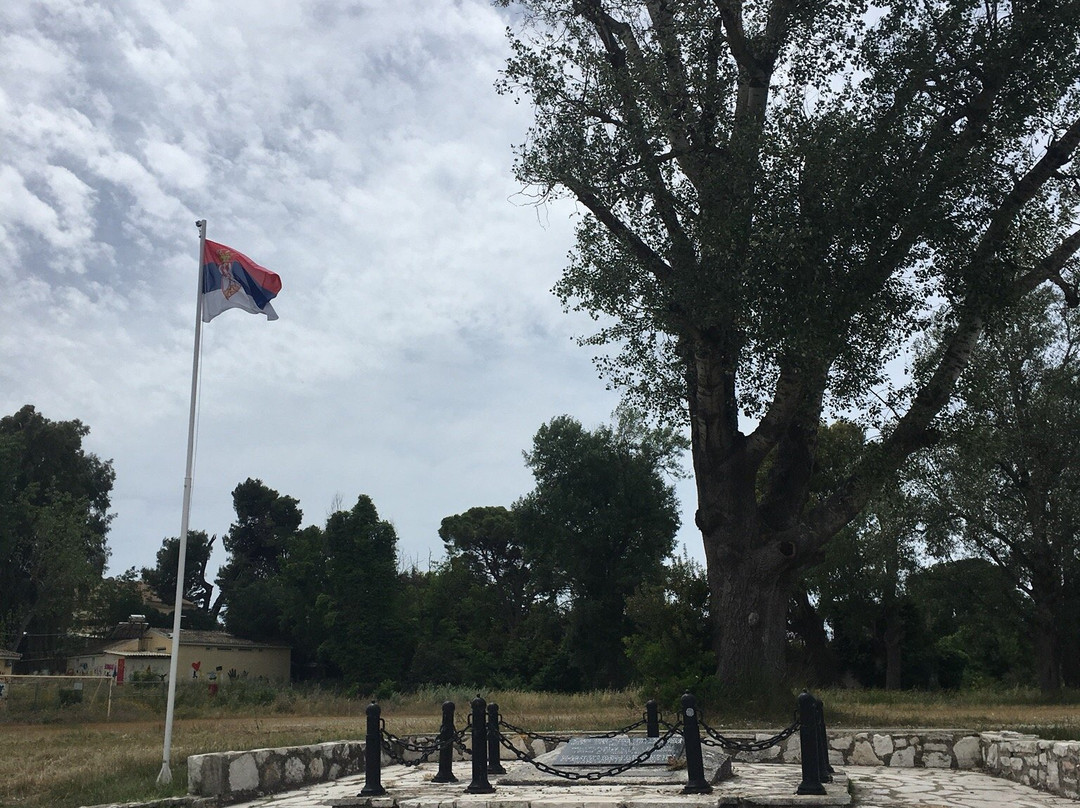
{"x": 616, "y": 732}
{"x": 388, "y": 741}
{"x": 566, "y": 739}
{"x": 459, "y": 737}
{"x": 731, "y": 744}
{"x": 530, "y": 734}
{"x": 590, "y": 776}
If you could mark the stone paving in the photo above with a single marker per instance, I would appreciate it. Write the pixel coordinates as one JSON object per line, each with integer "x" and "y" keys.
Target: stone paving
{"x": 753, "y": 785}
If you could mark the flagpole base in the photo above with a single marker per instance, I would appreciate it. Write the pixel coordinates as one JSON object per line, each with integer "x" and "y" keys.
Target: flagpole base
{"x": 165, "y": 775}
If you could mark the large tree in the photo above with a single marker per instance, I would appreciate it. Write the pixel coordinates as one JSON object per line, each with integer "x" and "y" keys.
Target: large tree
{"x": 258, "y": 543}
{"x": 486, "y": 540}
{"x": 600, "y": 521}
{"x": 54, "y": 517}
{"x": 1005, "y": 480}
{"x": 161, "y": 578}
{"x": 774, "y": 192}
{"x": 367, "y": 636}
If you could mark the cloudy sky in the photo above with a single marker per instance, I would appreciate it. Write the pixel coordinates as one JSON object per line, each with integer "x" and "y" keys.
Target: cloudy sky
{"x": 359, "y": 150}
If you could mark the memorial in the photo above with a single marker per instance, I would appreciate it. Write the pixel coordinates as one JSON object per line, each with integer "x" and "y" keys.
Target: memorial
{"x": 582, "y": 756}
{"x": 593, "y": 752}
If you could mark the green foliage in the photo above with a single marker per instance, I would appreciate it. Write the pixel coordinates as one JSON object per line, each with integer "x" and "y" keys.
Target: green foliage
{"x": 54, "y": 502}
{"x": 113, "y": 601}
{"x": 775, "y": 195}
{"x": 600, "y": 522}
{"x": 303, "y": 580}
{"x": 161, "y": 578}
{"x": 257, "y": 543}
{"x": 367, "y": 637}
{"x": 670, "y": 647}
{"x": 1004, "y": 482}
{"x": 486, "y": 539}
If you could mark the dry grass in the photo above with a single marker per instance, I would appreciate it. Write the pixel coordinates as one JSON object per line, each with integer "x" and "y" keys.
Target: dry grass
{"x": 66, "y": 764}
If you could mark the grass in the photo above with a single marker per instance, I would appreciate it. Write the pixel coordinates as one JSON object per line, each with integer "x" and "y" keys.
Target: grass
{"x": 71, "y": 757}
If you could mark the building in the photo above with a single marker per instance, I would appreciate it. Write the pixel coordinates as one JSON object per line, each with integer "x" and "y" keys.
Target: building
{"x": 134, "y": 650}
{"x": 7, "y": 661}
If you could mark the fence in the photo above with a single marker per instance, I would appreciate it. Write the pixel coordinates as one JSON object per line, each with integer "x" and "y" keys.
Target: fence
{"x": 87, "y": 696}
{"x": 484, "y": 729}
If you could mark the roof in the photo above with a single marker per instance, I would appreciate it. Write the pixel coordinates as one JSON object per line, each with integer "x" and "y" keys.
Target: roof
{"x": 128, "y": 631}
{"x": 6, "y": 654}
{"x": 122, "y": 631}
{"x": 221, "y": 638}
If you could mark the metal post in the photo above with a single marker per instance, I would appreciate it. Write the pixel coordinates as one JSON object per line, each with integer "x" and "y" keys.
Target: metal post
{"x": 652, "y": 719}
{"x": 446, "y": 749}
{"x": 825, "y": 767}
{"x": 373, "y": 754}
{"x": 808, "y": 746}
{"x": 479, "y": 784}
{"x": 695, "y": 766}
{"x": 494, "y": 765}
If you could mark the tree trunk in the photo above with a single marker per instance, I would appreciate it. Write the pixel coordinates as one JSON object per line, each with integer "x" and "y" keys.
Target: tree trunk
{"x": 819, "y": 664}
{"x": 1046, "y": 598}
{"x": 750, "y": 596}
{"x": 1047, "y": 661}
{"x": 893, "y": 637}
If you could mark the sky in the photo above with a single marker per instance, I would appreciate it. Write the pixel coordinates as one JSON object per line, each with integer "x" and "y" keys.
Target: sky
{"x": 357, "y": 149}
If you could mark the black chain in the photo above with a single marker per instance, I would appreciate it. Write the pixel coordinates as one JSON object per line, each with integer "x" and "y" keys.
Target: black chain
{"x": 559, "y": 739}
{"x": 459, "y": 738}
{"x": 389, "y": 740}
{"x": 530, "y": 734}
{"x": 716, "y": 739}
{"x": 623, "y": 731}
{"x": 590, "y": 776}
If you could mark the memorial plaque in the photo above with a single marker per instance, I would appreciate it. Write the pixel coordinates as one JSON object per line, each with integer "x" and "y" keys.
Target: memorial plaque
{"x": 593, "y": 752}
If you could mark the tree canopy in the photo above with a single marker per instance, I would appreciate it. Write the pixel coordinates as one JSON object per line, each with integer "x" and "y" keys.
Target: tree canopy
{"x": 257, "y": 543}
{"x": 1004, "y": 482}
{"x": 600, "y": 521}
{"x": 776, "y": 194}
{"x": 54, "y": 517}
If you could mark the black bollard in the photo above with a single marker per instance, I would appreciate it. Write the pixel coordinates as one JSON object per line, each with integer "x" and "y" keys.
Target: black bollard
{"x": 373, "y": 754}
{"x": 446, "y": 750}
{"x": 479, "y": 784}
{"x": 494, "y": 765}
{"x": 808, "y": 746}
{"x": 825, "y": 768}
{"x": 652, "y": 719}
{"x": 695, "y": 766}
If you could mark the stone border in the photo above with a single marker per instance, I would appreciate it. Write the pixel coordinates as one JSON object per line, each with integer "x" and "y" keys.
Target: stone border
{"x": 1052, "y": 766}
{"x": 236, "y": 776}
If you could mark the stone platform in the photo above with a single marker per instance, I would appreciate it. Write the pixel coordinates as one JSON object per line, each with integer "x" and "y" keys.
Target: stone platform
{"x": 749, "y": 785}
{"x": 870, "y": 787}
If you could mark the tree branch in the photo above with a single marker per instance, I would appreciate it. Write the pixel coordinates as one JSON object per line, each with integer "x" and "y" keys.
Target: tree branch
{"x": 652, "y": 262}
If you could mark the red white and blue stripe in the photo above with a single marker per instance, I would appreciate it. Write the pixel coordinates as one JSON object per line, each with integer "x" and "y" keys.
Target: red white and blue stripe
{"x": 231, "y": 280}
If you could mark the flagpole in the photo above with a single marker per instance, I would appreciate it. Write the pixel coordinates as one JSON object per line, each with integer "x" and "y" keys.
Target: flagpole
{"x": 165, "y": 775}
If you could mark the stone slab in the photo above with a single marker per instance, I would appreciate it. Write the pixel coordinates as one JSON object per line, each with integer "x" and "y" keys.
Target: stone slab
{"x": 594, "y": 752}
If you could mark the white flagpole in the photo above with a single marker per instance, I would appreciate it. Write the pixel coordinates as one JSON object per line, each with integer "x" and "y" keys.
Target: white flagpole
{"x": 165, "y": 775}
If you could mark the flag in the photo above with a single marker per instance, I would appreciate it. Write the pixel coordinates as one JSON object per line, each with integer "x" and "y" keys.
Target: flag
{"x": 231, "y": 280}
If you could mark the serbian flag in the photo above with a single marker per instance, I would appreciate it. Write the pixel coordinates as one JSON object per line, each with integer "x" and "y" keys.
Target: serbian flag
{"x": 231, "y": 280}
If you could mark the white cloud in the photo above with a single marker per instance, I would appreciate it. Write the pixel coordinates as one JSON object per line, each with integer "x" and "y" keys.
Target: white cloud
{"x": 358, "y": 150}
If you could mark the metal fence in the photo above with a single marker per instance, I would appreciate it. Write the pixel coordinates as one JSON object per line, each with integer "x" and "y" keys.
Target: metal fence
{"x": 84, "y": 696}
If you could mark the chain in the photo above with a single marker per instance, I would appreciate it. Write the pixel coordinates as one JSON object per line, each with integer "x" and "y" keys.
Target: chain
{"x": 716, "y": 739}
{"x": 426, "y": 752}
{"x": 459, "y": 738}
{"x": 530, "y": 734}
{"x": 558, "y": 739}
{"x": 590, "y": 776}
{"x": 623, "y": 731}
